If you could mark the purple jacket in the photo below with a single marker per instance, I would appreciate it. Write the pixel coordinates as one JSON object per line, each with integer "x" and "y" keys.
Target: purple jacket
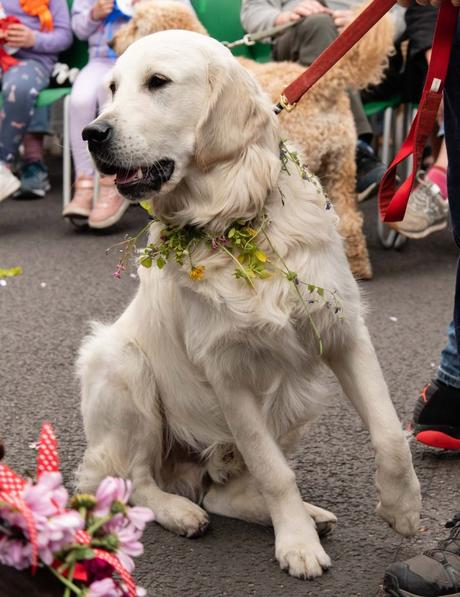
{"x": 97, "y": 33}
{"x": 47, "y": 44}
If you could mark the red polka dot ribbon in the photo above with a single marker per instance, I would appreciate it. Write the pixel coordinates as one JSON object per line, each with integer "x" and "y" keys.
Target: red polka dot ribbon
{"x": 47, "y": 459}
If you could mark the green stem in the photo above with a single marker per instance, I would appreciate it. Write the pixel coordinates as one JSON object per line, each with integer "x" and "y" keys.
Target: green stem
{"x": 70, "y": 586}
{"x": 299, "y": 294}
{"x": 70, "y": 579}
{"x": 312, "y": 323}
{"x": 98, "y": 524}
{"x": 251, "y": 283}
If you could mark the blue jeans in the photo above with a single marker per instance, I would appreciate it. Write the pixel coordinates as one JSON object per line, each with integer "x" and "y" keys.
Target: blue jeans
{"x": 449, "y": 367}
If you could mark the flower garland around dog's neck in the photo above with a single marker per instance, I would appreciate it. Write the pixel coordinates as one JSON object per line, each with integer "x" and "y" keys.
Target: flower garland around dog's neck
{"x": 240, "y": 242}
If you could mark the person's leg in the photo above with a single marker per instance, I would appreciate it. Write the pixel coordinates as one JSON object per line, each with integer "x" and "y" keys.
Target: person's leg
{"x": 21, "y": 85}
{"x": 449, "y": 365}
{"x": 89, "y": 94}
{"x": 436, "y": 572}
{"x": 83, "y": 109}
{"x": 437, "y": 411}
{"x": 34, "y": 173}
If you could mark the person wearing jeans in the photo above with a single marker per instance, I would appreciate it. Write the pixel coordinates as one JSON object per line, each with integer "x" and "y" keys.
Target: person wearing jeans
{"x": 38, "y": 45}
{"x": 436, "y": 420}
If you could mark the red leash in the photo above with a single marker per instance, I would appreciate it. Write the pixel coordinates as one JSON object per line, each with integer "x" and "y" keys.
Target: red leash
{"x": 333, "y": 53}
{"x": 392, "y": 203}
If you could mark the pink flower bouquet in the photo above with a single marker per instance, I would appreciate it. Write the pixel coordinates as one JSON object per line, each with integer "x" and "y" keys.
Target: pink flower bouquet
{"x": 87, "y": 542}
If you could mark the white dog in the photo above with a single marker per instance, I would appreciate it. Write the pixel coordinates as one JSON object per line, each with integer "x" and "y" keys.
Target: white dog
{"x": 201, "y": 388}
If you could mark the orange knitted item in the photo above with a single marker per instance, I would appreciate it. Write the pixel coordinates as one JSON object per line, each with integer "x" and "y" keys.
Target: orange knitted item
{"x": 39, "y": 8}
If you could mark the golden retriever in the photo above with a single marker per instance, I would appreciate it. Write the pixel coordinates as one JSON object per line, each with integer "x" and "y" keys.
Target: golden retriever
{"x": 202, "y": 387}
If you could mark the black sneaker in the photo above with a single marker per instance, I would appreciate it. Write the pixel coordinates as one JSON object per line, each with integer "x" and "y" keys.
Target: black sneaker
{"x": 370, "y": 171}
{"x": 34, "y": 181}
{"x": 434, "y": 573}
{"x": 436, "y": 420}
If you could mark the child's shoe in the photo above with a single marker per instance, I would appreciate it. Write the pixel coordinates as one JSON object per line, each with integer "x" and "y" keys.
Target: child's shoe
{"x": 9, "y": 184}
{"x": 34, "y": 181}
{"x": 109, "y": 207}
{"x": 82, "y": 201}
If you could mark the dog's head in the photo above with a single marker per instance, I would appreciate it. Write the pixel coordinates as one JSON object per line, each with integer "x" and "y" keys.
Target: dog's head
{"x": 180, "y": 103}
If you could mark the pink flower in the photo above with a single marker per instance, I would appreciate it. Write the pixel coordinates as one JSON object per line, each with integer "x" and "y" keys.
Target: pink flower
{"x": 105, "y": 588}
{"x": 47, "y": 496}
{"x": 47, "y": 500}
{"x": 139, "y": 517}
{"x": 111, "y": 490}
{"x": 129, "y": 545}
{"x": 108, "y": 588}
{"x": 15, "y": 552}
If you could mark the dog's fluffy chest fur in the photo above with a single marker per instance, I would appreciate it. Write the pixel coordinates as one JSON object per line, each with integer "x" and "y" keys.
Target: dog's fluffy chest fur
{"x": 219, "y": 330}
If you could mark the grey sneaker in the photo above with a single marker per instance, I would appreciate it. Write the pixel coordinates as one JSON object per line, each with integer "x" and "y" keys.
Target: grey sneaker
{"x": 34, "y": 181}
{"x": 427, "y": 210}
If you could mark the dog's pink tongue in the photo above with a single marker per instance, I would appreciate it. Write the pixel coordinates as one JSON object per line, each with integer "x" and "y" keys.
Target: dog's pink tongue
{"x": 129, "y": 176}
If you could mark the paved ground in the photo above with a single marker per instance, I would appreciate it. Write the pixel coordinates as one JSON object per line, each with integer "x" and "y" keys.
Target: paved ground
{"x": 66, "y": 282}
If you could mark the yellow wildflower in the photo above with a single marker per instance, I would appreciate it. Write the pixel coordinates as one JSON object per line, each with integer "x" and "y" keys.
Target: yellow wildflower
{"x": 197, "y": 273}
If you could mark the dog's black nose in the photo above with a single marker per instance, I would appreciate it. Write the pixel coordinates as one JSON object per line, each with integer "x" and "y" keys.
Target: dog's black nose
{"x": 97, "y": 132}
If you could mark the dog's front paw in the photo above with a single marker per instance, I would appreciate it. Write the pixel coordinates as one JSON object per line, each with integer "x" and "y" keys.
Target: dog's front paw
{"x": 183, "y": 517}
{"x": 302, "y": 559}
{"x": 400, "y": 505}
{"x": 403, "y": 520}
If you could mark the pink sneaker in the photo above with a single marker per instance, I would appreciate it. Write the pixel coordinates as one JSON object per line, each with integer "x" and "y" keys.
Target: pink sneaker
{"x": 82, "y": 200}
{"x": 109, "y": 207}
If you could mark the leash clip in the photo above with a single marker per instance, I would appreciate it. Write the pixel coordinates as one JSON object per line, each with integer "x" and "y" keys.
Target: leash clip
{"x": 284, "y": 103}
{"x": 248, "y": 41}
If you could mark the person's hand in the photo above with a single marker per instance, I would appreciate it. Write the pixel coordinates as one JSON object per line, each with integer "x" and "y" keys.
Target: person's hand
{"x": 20, "y": 36}
{"x": 101, "y": 9}
{"x": 435, "y": 3}
{"x": 286, "y": 17}
{"x": 306, "y": 8}
{"x": 342, "y": 18}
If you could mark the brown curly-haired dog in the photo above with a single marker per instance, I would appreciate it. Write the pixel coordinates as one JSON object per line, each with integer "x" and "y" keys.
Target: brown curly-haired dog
{"x": 322, "y": 125}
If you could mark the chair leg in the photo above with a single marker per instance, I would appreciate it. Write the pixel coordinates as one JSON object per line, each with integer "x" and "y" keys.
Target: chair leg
{"x": 66, "y": 162}
{"x": 387, "y": 125}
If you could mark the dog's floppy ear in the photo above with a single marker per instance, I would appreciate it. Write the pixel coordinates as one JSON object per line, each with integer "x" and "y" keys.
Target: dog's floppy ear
{"x": 236, "y": 115}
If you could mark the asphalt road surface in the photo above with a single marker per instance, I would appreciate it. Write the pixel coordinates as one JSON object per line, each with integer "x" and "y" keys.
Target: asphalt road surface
{"x": 67, "y": 282}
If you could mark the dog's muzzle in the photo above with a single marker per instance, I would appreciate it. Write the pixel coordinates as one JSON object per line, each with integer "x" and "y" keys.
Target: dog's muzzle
{"x": 133, "y": 182}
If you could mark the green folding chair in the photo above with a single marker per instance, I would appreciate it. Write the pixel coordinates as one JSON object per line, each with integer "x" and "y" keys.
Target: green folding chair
{"x": 222, "y": 20}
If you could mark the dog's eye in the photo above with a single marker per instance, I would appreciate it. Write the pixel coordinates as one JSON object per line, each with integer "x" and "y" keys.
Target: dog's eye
{"x": 112, "y": 88}
{"x": 157, "y": 81}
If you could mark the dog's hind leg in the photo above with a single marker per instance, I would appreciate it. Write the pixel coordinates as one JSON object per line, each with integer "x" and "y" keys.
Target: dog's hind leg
{"x": 357, "y": 368}
{"x": 124, "y": 429}
{"x": 239, "y": 498}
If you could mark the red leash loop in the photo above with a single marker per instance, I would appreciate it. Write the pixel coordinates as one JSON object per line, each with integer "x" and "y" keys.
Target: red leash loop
{"x": 392, "y": 202}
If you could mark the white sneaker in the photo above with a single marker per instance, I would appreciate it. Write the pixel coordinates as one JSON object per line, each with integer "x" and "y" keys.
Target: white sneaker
{"x": 9, "y": 184}
{"x": 427, "y": 211}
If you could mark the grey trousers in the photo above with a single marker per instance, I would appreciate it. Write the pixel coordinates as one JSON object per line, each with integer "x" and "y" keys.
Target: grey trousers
{"x": 304, "y": 42}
